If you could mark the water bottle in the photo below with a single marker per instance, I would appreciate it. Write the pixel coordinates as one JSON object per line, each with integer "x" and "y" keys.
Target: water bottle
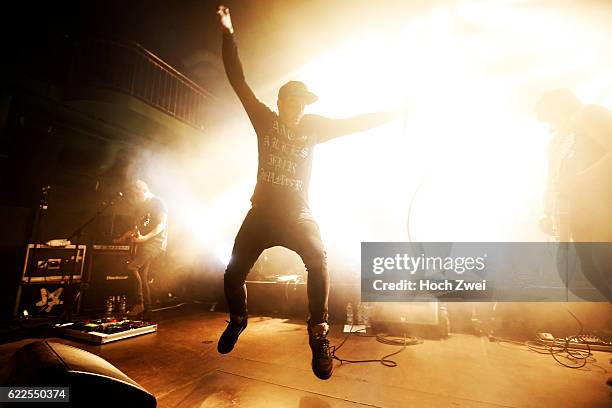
{"x": 477, "y": 324}
{"x": 366, "y": 314}
{"x": 360, "y": 313}
{"x": 444, "y": 321}
{"x": 494, "y": 324}
{"x": 349, "y": 314}
{"x": 122, "y": 304}
{"x": 110, "y": 300}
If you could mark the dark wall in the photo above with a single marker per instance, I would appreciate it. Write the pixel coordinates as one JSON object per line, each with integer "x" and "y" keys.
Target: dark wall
{"x": 38, "y": 150}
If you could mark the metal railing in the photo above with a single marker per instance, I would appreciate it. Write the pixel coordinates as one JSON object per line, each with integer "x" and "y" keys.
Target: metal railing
{"x": 132, "y": 69}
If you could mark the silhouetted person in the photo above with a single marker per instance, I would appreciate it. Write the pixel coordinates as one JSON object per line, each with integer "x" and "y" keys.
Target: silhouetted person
{"x": 280, "y": 213}
{"x": 578, "y": 201}
{"x": 150, "y": 238}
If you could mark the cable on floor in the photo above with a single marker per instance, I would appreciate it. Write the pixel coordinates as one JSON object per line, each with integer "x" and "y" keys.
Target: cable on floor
{"x": 561, "y": 349}
{"x": 384, "y": 338}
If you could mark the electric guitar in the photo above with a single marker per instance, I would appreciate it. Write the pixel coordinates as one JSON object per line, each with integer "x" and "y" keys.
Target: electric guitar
{"x": 561, "y": 199}
{"x": 127, "y": 238}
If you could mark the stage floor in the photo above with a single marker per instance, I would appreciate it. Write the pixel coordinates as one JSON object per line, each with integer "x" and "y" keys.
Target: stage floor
{"x": 270, "y": 367}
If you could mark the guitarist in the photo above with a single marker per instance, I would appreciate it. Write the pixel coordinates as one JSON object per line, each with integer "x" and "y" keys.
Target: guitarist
{"x": 149, "y": 238}
{"x": 556, "y": 108}
{"x": 578, "y": 201}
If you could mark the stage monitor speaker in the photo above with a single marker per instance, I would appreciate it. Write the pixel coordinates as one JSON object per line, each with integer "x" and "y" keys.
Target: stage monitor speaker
{"x": 92, "y": 381}
{"x": 108, "y": 275}
{"x": 276, "y": 298}
{"x": 413, "y": 318}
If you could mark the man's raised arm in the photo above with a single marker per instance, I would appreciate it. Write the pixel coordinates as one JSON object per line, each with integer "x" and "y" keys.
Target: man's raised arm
{"x": 233, "y": 66}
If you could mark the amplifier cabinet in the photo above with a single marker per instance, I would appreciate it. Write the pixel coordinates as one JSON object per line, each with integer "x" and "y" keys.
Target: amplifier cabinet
{"x": 45, "y": 299}
{"x": 45, "y": 264}
{"x": 108, "y": 275}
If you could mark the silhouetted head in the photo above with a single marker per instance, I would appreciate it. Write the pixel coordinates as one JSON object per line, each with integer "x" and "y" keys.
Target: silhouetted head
{"x": 292, "y": 99}
{"x": 139, "y": 191}
{"x": 556, "y": 107}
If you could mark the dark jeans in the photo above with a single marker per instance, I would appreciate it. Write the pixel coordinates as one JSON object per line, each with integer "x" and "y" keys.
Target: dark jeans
{"x": 596, "y": 265}
{"x": 264, "y": 228}
{"x": 595, "y": 257}
{"x": 139, "y": 266}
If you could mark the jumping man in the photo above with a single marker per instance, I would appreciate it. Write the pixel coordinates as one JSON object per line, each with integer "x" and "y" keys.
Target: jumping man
{"x": 280, "y": 214}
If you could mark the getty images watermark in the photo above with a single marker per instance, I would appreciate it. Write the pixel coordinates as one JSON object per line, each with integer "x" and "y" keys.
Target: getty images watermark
{"x": 427, "y": 264}
{"x": 498, "y": 271}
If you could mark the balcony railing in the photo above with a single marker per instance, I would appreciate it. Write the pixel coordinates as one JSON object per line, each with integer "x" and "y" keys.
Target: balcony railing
{"x": 130, "y": 68}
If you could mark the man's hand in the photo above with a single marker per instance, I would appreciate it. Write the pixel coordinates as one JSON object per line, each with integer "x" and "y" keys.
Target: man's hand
{"x": 546, "y": 225}
{"x": 124, "y": 239}
{"x": 137, "y": 238}
{"x": 403, "y": 111}
{"x": 225, "y": 19}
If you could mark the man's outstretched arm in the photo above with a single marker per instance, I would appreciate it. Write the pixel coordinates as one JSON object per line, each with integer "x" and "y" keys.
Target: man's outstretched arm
{"x": 327, "y": 128}
{"x": 233, "y": 66}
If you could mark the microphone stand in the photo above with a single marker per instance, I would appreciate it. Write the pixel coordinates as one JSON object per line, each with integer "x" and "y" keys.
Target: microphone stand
{"x": 76, "y": 235}
{"x": 34, "y": 238}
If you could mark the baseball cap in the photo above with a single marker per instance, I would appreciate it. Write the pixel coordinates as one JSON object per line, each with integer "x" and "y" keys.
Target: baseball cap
{"x": 297, "y": 88}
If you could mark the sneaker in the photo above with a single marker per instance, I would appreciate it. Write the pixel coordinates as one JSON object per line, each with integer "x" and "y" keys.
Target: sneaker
{"x": 136, "y": 312}
{"x": 147, "y": 315}
{"x": 230, "y": 336}
{"x": 322, "y": 360}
